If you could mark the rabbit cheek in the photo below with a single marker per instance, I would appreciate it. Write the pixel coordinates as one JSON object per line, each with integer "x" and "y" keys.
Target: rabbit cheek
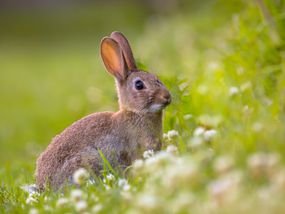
{"x": 137, "y": 101}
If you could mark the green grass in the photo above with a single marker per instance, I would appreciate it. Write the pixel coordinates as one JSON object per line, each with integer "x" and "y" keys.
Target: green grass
{"x": 224, "y": 64}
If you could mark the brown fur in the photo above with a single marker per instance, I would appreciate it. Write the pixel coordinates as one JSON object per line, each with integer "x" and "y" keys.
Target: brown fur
{"x": 121, "y": 136}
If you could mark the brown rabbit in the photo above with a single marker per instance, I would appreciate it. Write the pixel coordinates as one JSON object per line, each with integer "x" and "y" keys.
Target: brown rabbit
{"x": 121, "y": 136}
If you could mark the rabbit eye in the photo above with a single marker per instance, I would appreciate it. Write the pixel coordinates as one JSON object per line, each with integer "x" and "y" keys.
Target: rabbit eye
{"x": 139, "y": 85}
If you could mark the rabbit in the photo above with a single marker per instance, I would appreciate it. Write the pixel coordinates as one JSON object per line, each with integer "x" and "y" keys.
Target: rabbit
{"x": 121, "y": 136}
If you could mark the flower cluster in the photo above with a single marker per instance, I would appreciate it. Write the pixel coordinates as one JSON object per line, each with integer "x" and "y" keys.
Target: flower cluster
{"x": 170, "y": 135}
{"x": 80, "y": 176}
{"x": 172, "y": 182}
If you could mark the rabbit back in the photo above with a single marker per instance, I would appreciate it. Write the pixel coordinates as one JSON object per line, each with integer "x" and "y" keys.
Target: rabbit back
{"x": 78, "y": 146}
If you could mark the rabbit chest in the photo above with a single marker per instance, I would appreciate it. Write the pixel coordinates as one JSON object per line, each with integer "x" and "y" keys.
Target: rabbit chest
{"x": 122, "y": 137}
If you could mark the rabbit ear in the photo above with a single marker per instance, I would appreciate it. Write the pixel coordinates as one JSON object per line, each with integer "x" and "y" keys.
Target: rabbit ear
{"x": 126, "y": 48}
{"x": 113, "y": 59}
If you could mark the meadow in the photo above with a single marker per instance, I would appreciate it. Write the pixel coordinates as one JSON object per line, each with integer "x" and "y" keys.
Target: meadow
{"x": 224, "y": 133}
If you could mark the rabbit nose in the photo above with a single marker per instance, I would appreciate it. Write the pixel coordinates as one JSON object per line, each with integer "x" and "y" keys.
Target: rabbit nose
{"x": 166, "y": 98}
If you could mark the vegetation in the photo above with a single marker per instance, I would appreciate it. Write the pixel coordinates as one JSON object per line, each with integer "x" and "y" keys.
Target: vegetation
{"x": 224, "y": 133}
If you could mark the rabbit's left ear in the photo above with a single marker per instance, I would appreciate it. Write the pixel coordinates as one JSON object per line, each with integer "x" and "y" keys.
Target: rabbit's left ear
{"x": 113, "y": 59}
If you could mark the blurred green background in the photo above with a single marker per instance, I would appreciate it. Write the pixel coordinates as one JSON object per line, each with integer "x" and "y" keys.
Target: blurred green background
{"x": 51, "y": 71}
{"x": 52, "y": 74}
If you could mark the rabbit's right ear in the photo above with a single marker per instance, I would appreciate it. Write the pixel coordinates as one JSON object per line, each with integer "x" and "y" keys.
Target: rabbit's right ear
{"x": 113, "y": 59}
{"x": 126, "y": 48}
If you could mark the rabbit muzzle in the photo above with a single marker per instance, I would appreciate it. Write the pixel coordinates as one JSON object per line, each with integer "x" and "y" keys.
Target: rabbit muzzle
{"x": 162, "y": 99}
{"x": 166, "y": 98}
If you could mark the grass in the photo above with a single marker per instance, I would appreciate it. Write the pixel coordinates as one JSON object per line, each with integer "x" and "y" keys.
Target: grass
{"x": 224, "y": 65}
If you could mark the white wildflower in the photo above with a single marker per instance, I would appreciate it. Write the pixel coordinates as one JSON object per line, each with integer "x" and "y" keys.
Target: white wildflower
{"x": 81, "y": 206}
{"x": 199, "y": 131}
{"x": 171, "y": 149}
{"x": 259, "y": 163}
{"x": 62, "y": 202}
{"x": 186, "y": 170}
{"x": 233, "y": 91}
{"x": 196, "y": 142}
{"x": 219, "y": 188}
{"x": 48, "y": 208}
{"x": 34, "y": 194}
{"x": 34, "y": 211}
{"x": 110, "y": 177}
{"x": 183, "y": 86}
{"x": 31, "y": 200}
{"x": 126, "y": 194}
{"x": 138, "y": 164}
{"x": 31, "y": 189}
{"x": 80, "y": 176}
{"x": 256, "y": 163}
{"x": 165, "y": 136}
{"x": 150, "y": 163}
{"x": 223, "y": 164}
{"x": 126, "y": 187}
{"x": 148, "y": 154}
{"x": 182, "y": 202}
{"x": 210, "y": 134}
{"x": 187, "y": 116}
{"x": 172, "y": 133}
{"x": 123, "y": 183}
{"x": 107, "y": 187}
{"x": 182, "y": 173}
{"x": 206, "y": 134}
{"x": 225, "y": 189}
{"x": 147, "y": 202}
{"x": 97, "y": 208}
{"x": 157, "y": 161}
{"x": 76, "y": 195}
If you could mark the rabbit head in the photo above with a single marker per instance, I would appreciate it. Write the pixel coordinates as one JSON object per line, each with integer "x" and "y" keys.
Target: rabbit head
{"x": 138, "y": 91}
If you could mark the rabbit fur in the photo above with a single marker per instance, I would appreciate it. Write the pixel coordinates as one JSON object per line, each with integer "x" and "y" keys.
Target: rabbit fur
{"x": 121, "y": 136}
